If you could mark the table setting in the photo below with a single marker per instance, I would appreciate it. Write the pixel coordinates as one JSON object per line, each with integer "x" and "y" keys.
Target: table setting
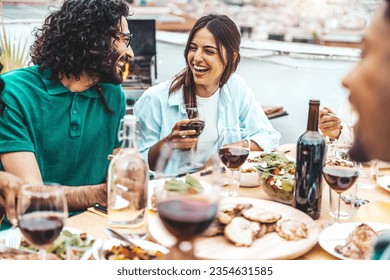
{"x": 317, "y": 245}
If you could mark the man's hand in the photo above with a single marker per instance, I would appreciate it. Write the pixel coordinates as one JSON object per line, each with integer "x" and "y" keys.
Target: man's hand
{"x": 329, "y": 125}
{"x": 9, "y": 188}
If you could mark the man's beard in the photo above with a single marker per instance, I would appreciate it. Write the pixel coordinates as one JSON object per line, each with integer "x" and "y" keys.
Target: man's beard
{"x": 358, "y": 151}
{"x": 112, "y": 76}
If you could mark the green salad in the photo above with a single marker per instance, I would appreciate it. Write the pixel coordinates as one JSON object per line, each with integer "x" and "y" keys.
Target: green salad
{"x": 276, "y": 175}
{"x": 66, "y": 238}
{"x": 189, "y": 185}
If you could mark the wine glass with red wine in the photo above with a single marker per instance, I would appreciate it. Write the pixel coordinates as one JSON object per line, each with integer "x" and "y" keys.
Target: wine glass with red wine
{"x": 340, "y": 175}
{"x": 195, "y": 114}
{"x": 41, "y": 213}
{"x": 186, "y": 214}
{"x": 233, "y": 150}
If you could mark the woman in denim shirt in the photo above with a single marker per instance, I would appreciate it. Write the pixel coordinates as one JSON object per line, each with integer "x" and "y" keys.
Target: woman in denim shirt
{"x": 212, "y": 56}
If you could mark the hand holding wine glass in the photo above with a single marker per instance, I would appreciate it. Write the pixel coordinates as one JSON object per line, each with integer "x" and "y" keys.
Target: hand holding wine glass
{"x": 233, "y": 150}
{"x": 195, "y": 114}
{"x": 41, "y": 213}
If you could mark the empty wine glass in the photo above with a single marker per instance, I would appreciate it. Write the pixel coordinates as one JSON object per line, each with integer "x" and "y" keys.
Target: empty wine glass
{"x": 233, "y": 150}
{"x": 195, "y": 114}
{"x": 41, "y": 213}
{"x": 340, "y": 175}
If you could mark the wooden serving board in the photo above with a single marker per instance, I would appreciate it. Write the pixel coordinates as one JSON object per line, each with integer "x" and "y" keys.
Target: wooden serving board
{"x": 270, "y": 246}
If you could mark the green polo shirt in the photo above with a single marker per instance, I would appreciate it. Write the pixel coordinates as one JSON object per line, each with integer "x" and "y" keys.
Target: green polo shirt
{"x": 71, "y": 134}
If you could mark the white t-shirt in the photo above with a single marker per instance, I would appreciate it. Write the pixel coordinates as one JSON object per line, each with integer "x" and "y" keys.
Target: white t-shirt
{"x": 209, "y": 136}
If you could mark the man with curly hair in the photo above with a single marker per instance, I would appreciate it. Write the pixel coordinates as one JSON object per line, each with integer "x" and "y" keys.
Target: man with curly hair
{"x": 61, "y": 116}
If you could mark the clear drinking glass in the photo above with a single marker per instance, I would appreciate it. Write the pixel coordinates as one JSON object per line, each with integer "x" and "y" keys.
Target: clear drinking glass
{"x": 195, "y": 114}
{"x": 233, "y": 150}
{"x": 41, "y": 213}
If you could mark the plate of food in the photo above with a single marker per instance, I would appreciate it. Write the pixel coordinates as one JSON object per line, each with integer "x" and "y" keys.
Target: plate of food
{"x": 351, "y": 241}
{"x": 114, "y": 249}
{"x": 249, "y": 228}
{"x": 384, "y": 182}
{"x": 186, "y": 183}
{"x": 70, "y": 245}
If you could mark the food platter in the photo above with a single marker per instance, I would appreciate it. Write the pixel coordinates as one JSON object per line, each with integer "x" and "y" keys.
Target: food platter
{"x": 384, "y": 182}
{"x": 101, "y": 245}
{"x": 337, "y": 234}
{"x": 270, "y": 246}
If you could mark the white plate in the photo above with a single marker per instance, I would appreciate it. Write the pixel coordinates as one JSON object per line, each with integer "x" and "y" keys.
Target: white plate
{"x": 270, "y": 246}
{"x": 384, "y": 182}
{"x": 101, "y": 245}
{"x": 337, "y": 234}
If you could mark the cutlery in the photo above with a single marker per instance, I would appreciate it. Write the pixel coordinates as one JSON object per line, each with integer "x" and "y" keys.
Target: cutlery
{"x": 117, "y": 235}
{"x": 358, "y": 201}
{"x": 100, "y": 208}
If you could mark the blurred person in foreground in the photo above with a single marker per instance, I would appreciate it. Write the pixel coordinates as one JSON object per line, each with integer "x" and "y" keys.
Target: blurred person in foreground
{"x": 369, "y": 87}
{"x": 61, "y": 115}
{"x": 212, "y": 54}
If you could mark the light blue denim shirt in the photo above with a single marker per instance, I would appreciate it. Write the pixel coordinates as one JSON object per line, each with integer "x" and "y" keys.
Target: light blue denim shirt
{"x": 157, "y": 113}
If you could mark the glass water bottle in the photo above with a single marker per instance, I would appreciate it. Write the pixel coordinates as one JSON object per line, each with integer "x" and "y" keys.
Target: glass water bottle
{"x": 127, "y": 180}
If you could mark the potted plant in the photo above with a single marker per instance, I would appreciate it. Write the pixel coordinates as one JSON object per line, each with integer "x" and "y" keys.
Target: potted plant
{"x": 13, "y": 50}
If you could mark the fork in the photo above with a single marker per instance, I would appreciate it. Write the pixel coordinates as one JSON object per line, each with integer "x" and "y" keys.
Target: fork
{"x": 13, "y": 238}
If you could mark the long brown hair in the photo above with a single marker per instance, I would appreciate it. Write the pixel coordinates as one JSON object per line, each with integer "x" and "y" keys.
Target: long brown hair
{"x": 227, "y": 35}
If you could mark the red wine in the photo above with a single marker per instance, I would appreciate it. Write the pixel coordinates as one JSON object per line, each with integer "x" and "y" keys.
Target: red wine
{"x": 185, "y": 219}
{"x": 340, "y": 178}
{"x": 309, "y": 164}
{"x": 197, "y": 125}
{"x": 41, "y": 228}
{"x": 233, "y": 157}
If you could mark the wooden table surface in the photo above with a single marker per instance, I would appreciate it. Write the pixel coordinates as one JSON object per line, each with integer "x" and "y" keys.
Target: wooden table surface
{"x": 94, "y": 224}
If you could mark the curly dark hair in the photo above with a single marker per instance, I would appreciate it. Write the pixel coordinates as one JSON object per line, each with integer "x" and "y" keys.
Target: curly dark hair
{"x": 227, "y": 35}
{"x": 78, "y": 38}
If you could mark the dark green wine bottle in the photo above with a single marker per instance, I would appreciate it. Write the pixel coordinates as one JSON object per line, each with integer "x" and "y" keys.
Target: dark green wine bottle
{"x": 309, "y": 164}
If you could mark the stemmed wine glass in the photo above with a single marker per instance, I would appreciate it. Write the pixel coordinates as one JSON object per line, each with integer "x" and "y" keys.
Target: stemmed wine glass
{"x": 340, "y": 174}
{"x": 233, "y": 150}
{"x": 196, "y": 115}
{"x": 41, "y": 213}
{"x": 186, "y": 214}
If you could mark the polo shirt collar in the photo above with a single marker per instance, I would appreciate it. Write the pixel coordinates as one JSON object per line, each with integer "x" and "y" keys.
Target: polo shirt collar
{"x": 57, "y": 88}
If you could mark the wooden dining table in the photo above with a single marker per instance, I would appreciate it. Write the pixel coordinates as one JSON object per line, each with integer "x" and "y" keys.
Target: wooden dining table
{"x": 94, "y": 223}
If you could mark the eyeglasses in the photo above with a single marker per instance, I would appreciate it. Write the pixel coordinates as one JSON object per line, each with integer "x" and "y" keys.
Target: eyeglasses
{"x": 128, "y": 37}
